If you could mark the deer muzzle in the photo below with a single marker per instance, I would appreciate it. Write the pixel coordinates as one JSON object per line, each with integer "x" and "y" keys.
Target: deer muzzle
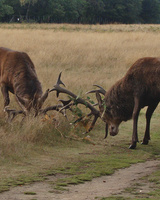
{"x": 113, "y": 130}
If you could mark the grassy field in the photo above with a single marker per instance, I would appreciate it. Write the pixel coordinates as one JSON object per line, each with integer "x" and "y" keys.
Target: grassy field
{"x": 87, "y": 55}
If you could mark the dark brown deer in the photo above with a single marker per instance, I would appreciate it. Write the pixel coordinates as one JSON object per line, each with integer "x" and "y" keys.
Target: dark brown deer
{"x": 140, "y": 87}
{"x": 18, "y": 76}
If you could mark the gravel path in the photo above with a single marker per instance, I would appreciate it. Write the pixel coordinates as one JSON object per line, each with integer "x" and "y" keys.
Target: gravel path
{"x": 98, "y": 187}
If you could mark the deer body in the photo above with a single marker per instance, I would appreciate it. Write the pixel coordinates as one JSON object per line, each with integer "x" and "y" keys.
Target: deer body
{"x": 140, "y": 87}
{"x": 18, "y": 76}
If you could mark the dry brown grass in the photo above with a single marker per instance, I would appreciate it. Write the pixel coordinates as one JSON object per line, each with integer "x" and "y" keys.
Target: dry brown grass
{"x": 86, "y": 54}
{"x": 97, "y": 57}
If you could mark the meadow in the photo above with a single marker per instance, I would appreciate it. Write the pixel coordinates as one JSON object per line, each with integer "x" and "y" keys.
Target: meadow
{"x": 87, "y": 55}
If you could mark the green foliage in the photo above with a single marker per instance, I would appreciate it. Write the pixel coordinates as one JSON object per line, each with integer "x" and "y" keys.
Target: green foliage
{"x": 77, "y": 111}
{"x": 23, "y": 2}
{"x": 5, "y": 9}
{"x": 150, "y": 11}
{"x": 90, "y": 101}
{"x": 81, "y": 11}
{"x": 30, "y": 193}
{"x": 115, "y": 198}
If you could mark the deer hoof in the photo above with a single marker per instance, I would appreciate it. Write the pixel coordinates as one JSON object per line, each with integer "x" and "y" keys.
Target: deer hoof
{"x": 145, "y": 142}
{"x": 132, "y": 146}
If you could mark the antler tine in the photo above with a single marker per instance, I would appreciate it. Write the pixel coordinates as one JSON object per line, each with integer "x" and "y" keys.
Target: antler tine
{"x": 67, "y": 106}
{"x": 58, "y": 84}
{"x": 65, "y": 102}
{"x": 76, "y": 100}
{"x": 60, "y": 89}
{"x": 13, "y": 113}
{"x": 59, "y": 80}
{"x": 101, "y": 90}
{"x": 56, "y": 107}
{"x": 92, "y": 124}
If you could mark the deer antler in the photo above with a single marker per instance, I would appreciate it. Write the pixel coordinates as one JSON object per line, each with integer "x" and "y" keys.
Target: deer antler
{"x": 58, "y": 107}
{"x": 77, "y": 100}
{"x": 12, "y": 113}
{"x": 100, "y": 90}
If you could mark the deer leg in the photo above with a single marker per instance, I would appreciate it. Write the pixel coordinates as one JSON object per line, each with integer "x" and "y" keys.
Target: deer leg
{"x": 5, "y": 94}
{"x": 11, "y": 113}
{"x": 136, "y": 111}
{"x": 149, "y": 113}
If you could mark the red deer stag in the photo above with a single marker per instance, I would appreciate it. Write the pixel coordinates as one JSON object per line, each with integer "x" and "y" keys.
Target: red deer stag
{"x": 140, "y": 87}
{"x": 18, "y": 76}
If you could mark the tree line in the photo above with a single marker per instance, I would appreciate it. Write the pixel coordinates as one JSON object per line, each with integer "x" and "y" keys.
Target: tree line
{"x": 80, "y": 11}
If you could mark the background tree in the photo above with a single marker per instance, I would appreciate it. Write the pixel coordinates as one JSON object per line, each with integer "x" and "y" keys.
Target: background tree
{"x": 81, "y": 7}
{"x": 58, "y": 11}
{"x": 5, "y": 10}
{"x": 27, "y": 4}
{"x": 16, "y": 14}
{"x": 150, "y": 11}
{"x": 81, "y": 11}
{"x": 94, "y": 11}
{"x": 122, "y": 11}
{"x": 23, "y": 2}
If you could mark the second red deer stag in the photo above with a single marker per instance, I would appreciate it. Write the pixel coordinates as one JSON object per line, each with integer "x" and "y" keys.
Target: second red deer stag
{"x": 18, "y": 76}
{"x": 140, "y": 87}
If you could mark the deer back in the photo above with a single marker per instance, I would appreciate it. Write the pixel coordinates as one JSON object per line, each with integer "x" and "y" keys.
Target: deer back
{"x": 17, "y": 73}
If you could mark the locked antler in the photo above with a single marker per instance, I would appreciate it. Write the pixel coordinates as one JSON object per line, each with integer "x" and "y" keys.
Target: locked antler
{"x": 12, "y": 113}
{"x": 76, "y": 100}
{"x": 100, "y": 90}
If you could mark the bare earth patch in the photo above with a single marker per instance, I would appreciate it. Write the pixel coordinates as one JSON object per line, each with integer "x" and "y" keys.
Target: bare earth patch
{"x": 99, "y": 187}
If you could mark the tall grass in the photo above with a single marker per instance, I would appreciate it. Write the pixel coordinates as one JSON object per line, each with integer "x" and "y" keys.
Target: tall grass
{"x": 87, "y": 55}
{"x": 104, "y": 56}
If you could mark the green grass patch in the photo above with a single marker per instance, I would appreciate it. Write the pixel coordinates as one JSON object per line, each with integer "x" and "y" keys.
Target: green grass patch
{"x": 78, "y": 161}
{"x": 115, "y": 198}
{"x": 30, "y": 193}
{"x": 99, "y": 164}
{"x": 41, "y": 151}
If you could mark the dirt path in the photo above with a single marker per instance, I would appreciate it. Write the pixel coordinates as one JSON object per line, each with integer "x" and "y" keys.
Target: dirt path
{"x": 99, "y": 187}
